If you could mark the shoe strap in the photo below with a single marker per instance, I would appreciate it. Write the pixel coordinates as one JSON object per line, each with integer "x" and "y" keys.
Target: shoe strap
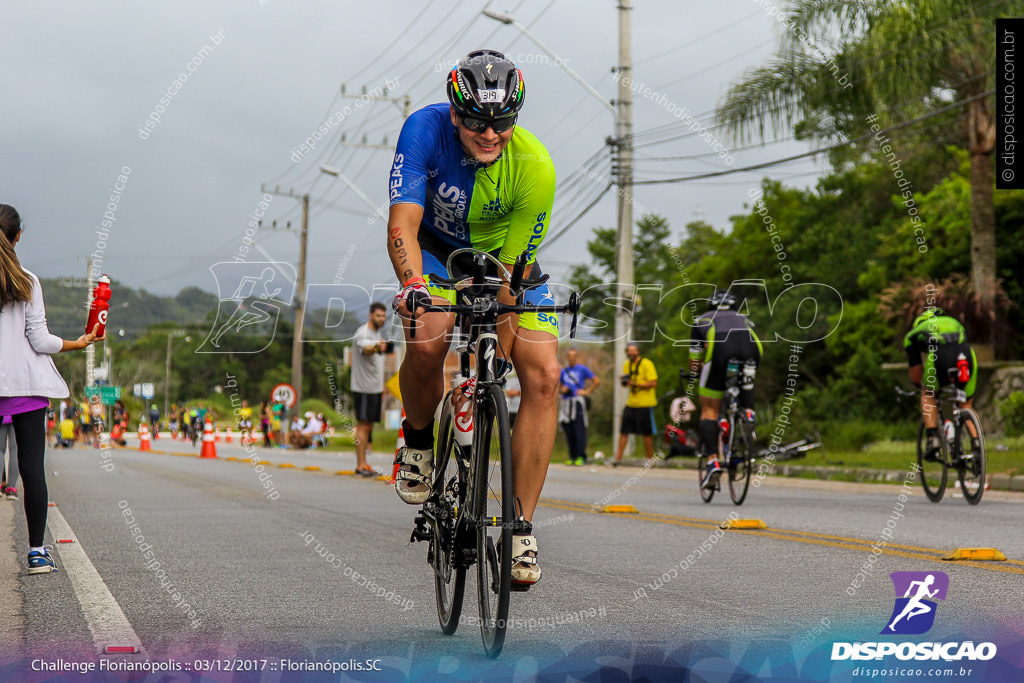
{"x": 407, "y": 456}
{"x": 410, "y": 469}
{"x": 414, "y": 477}
{"x": 522, "y": 545}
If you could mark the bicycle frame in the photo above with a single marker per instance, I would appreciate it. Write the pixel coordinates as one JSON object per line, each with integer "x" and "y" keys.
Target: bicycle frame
{"x": 455, "y": 519}
{"x": 477, "y": 317}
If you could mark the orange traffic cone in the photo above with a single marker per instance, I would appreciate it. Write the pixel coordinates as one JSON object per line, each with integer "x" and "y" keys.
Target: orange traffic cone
{"x": 156, "y": 434}
{"x": 208, "y": 450}
{"x": 144, "y": 438}
{"x": 227, "y": 435}
{"x": 216, "y": 435}
{"x": 398, "y": 445}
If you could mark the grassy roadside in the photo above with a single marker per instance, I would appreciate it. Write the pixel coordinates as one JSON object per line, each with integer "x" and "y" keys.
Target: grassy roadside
{"x": 1005, "y": 455}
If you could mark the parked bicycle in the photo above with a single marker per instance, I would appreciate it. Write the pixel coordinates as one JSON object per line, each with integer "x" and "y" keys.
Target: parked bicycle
{"x": 472, "y": 510}
{"x": 962, "y": 446}
{"x": 735, "y": 436}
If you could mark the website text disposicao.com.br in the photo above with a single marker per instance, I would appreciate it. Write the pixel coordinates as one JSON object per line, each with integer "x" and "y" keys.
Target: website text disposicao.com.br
{"x": 946, "y": 674}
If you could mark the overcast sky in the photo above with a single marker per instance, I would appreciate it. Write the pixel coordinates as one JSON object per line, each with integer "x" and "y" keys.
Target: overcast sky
{"x": 81, "y": 79}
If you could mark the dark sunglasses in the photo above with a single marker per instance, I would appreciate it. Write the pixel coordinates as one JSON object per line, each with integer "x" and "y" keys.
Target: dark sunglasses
{"x": 480, "y": 125}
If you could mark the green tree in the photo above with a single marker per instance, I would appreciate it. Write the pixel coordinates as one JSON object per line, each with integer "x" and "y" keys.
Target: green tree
{"x": 907, "y": 58}
{"x": 655, "y": 271}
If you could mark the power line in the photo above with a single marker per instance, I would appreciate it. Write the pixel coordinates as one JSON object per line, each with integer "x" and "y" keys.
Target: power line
{"x": 554, "y": 238}
{"x": 690, "y": 43}
{"x": 856, "y": 67}
{"x": 823, "y": 150}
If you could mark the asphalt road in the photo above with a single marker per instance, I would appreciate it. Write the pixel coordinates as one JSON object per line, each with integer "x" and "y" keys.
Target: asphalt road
{"x": 272, "y": 563}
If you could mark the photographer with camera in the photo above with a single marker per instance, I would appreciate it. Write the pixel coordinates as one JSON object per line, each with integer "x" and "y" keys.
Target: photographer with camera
{"x": 640, "y": 375}
{"x": 369, "y": 347}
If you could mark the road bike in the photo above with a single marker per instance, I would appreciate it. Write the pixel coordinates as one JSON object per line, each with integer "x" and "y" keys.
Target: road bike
{"x": 472, "y": 511}
{"x": 735, "y": 436}
{"x": 958, "y": 449}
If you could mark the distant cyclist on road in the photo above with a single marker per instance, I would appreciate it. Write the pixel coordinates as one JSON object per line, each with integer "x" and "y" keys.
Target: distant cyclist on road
{"x": 935, "y": 344}
{"x": 465, "y": 176}
{"x": 719, "y": 335}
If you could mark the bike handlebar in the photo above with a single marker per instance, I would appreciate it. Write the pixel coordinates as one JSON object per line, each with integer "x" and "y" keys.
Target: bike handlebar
{"x": 518, "y": 285}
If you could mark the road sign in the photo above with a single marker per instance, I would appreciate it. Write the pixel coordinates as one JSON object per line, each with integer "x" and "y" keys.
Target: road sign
{"x": 284, "y": 393}
{"x": 108, "y": 395}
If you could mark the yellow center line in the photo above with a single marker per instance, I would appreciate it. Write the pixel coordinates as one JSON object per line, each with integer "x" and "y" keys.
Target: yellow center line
{"x": 829, "y": 540}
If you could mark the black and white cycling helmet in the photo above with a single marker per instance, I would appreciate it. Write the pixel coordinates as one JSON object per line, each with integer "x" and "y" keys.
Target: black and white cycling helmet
{"x": 723, "y": 300}
{"x": 486, "y": 84}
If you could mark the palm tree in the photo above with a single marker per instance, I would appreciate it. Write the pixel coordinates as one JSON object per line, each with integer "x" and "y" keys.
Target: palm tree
{"x": 843, "y": 60}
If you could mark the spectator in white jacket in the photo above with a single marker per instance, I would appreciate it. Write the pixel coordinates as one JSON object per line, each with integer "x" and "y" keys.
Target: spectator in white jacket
{"x": 28, "y": 378}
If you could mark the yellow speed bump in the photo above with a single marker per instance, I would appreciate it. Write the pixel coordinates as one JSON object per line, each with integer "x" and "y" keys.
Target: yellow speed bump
{"x": 345, "y": 472}
{"x": 264, "y": 462}
{"x": 311, "y": 468}
{"x": 743, "y": 524}
{"x": 286, "y": 465}
{"x": 619, "y": 509}
{"x": 232, "y": 458}
{"x": 976, "y": 554}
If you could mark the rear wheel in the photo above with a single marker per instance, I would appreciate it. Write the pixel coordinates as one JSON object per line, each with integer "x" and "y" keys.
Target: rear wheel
{"x": 971, "y": 463}
{"x": 450, "y": 488}
{"x": 494, "y": 514}
{"x": 741, "y": 461}
{"x": 933, "y": 472}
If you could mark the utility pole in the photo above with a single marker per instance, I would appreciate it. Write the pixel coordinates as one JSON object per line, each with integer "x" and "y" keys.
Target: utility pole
{"x": 300, "y": 289}
{"x": 300, "y": 305}
{"x": 624, "y": 209}
{"x": 405, "y": 101}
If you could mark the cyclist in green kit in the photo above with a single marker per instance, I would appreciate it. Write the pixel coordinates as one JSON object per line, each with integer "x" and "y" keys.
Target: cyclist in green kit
{"x": 935, "y": 345}
{"x": 464, "y": 175}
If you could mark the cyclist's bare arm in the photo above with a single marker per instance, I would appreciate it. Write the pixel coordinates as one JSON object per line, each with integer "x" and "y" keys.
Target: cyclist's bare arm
{"x": 403, "y": 248}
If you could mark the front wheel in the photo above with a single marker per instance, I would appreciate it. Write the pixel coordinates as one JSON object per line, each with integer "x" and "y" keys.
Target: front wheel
{"x": 971, "y": 461}
{"x": 450, "y": 487}
{"x": 741, "y": 462}
{"x": 494, "y": 514}
{"x": 933, "y": 472}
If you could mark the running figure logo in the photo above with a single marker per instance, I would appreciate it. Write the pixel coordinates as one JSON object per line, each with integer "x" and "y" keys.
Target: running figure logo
{"x": 251, "y": 298}
{"x": 914, "y": 612}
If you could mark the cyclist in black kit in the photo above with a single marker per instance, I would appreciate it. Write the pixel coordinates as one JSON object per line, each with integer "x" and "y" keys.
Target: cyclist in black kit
{"x": 720, "y": 335}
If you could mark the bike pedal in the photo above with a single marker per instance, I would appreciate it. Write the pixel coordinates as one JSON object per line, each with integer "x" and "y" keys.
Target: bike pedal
{"x": 520, "y": 587}
{"x": 420, "y": 532}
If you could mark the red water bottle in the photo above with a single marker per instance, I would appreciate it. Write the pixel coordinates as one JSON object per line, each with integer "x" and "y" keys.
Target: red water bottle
{"x": 98, "y": 307}
{"x": 963, "y": 368}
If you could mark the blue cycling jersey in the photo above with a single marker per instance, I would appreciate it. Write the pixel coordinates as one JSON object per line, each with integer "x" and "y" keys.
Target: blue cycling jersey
{"x": 504, "y": 206}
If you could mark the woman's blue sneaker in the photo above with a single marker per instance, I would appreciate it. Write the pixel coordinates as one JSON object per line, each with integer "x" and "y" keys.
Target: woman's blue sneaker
{"x": 41, "y": 562}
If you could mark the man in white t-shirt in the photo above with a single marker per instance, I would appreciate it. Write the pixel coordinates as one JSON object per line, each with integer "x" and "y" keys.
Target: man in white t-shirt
{"x": 312, "y": 428}
{"x": 368, "y": 349}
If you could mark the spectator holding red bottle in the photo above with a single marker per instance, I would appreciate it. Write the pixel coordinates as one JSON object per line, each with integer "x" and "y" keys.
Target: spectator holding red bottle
{"x": 29, "y": 379}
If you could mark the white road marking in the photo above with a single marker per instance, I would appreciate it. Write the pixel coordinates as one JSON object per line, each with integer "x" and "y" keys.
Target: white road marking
{"x": 106, "y": 620}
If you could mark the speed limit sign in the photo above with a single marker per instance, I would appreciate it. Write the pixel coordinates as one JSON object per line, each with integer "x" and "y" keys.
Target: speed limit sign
{"x": 284, "y": 393}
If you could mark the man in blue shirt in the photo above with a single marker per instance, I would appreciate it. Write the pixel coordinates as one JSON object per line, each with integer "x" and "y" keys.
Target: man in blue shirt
{"x": 576, "y": 381}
